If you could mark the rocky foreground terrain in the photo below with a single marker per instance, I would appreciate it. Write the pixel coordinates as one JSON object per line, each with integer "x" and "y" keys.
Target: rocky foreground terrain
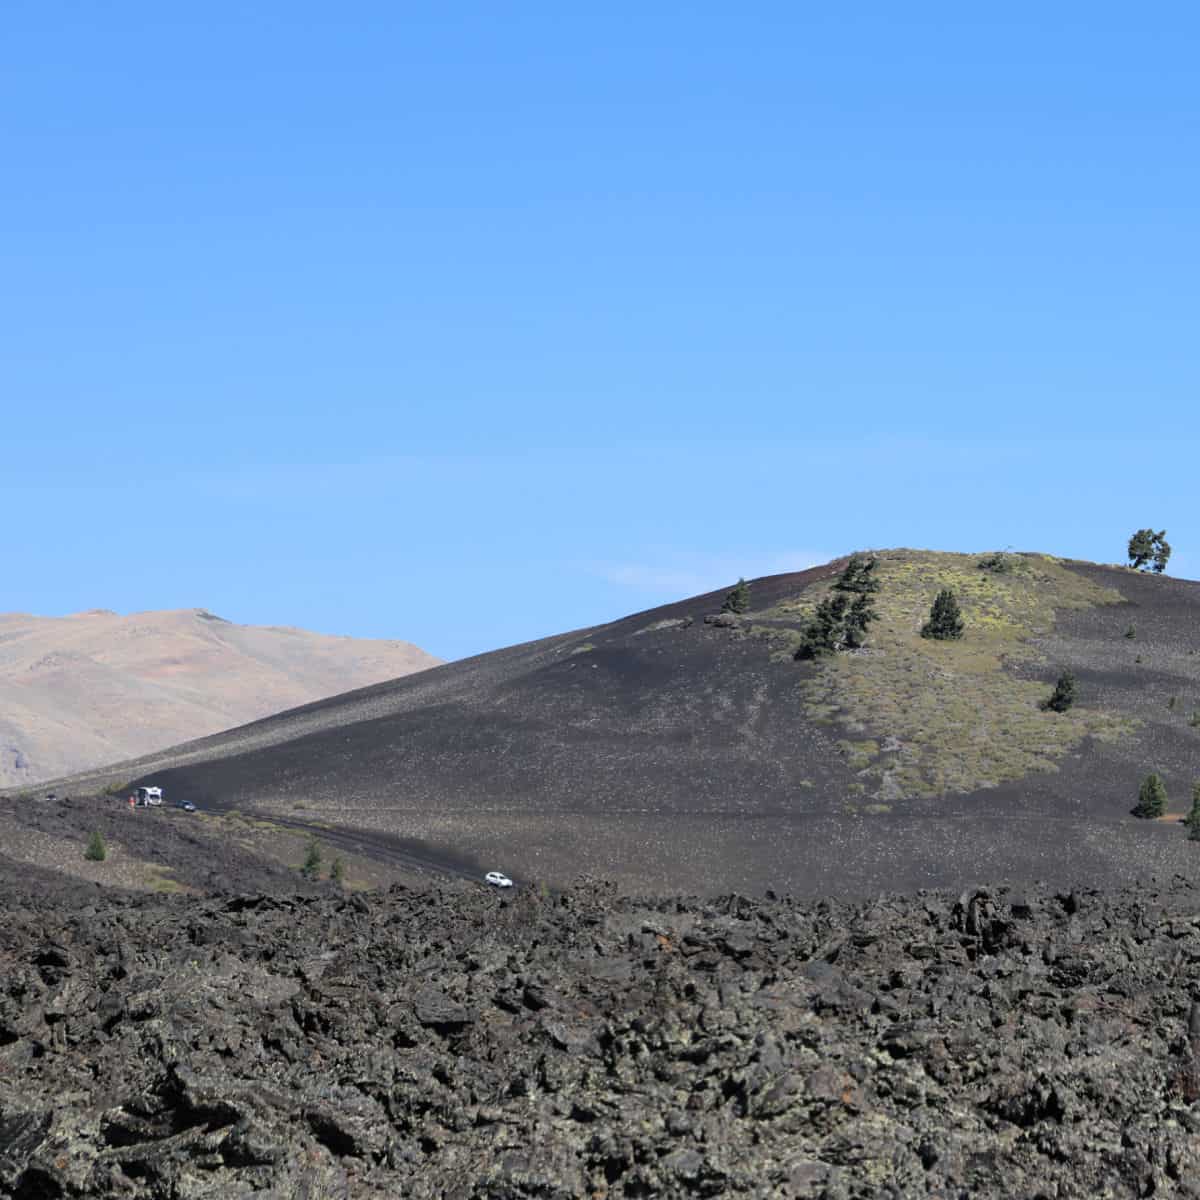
{"x": 451, "y": 1041}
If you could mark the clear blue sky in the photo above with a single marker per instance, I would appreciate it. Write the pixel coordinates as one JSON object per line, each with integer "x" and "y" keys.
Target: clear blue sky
{"x": 467, "y": 324}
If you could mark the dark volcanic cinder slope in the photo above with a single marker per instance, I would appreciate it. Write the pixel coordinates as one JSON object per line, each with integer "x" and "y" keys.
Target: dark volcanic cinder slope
{"x": 672, "y": 753}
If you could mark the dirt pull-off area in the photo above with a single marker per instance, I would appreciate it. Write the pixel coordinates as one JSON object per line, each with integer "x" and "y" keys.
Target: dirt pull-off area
{"x": 167, "y": 849}
{"x": 457, "y": 1042}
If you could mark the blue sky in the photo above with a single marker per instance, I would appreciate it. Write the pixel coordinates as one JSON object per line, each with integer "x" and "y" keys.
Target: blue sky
{"x": 467, "y": 324}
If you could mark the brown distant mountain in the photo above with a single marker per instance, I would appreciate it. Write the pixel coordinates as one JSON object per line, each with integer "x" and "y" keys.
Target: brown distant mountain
{"x": 80, "y": 691}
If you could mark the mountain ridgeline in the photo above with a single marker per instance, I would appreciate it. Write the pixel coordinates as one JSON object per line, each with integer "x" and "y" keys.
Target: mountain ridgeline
{"x": 80, "y": 691}
{"x": 702, "y": 746}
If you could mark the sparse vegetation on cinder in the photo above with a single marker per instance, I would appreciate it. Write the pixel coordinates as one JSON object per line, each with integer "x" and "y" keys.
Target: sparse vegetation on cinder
{"x": 999, "y": 562}
{"x": 1152, "y": 797}
{"x": 311, "y": 867}
{"x": 955, "y": 717}
{"x": 1149, "y": 550}
{"x": 1063, "y": 695}
{"x": 945, "y": 618}
{"x": 1192, "y": 820}
{"x": 96, "y": 850}
{"x": 738, "y": 601}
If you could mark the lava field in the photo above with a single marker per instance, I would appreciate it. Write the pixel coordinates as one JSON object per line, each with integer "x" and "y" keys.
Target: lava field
{"x": 452, "y": 1041}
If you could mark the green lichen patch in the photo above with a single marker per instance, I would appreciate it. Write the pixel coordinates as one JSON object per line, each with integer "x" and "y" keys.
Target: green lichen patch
{"x": 949, "y": 715}
{"x": 859, "y": 754}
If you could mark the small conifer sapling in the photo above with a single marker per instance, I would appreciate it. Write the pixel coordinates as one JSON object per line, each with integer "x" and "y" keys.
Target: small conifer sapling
{"x": 1152, "y": 797}
{"x": 1063, "y": 695}
{"x": 311, "y": 866}
{"x": 738, "y": 601}
{"x": 945, "y": 618}
{"x": 96, "y": 850}
{"x": 1192, "y": 820}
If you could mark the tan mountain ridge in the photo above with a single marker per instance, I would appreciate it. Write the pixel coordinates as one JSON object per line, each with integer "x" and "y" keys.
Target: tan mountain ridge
{"x": 95, "y": 687}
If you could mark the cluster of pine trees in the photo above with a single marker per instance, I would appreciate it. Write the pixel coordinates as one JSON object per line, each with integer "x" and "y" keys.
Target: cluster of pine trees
{"x": 842, "y": 618}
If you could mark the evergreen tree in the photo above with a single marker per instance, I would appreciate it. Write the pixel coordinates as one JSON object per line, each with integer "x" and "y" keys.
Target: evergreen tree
{"x": 96, "y": 850}
{"x": 825, "y": 631}
{"x": 861, "y": 614}
{"x": 738, "y": 601}
{"x": 1192, "y": 820}
{"x": 945, "y": 618}
{"x": 842, "y": 618}
{"x": 311, "y": 866}
{"x": 1149, "y": 549}
{"x": 1141, "y": 548}
{"x": 1063, "y": 695}
{"x": 337, "y": 871}
{"x": 858, "y": 577}
{"x": 1152, "y": 797}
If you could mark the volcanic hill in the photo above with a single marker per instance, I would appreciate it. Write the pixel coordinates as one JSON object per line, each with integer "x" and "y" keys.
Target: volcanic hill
{"x": 80, "y": 691}
{"x": 671, "y": 752}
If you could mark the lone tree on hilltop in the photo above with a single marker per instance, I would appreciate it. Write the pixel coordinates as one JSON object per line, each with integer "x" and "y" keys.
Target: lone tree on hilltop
{"x": 96, "y": 850}
{"x": 1152, "y": 797}
{"x": 1063, "y": 695}
{"x": 1149, "y": 550}
{"x": 1192, "y": 820}
{"x": 738, "y": 601}
{"x": 945, "y": 618}
{"x": 841, "y": 620}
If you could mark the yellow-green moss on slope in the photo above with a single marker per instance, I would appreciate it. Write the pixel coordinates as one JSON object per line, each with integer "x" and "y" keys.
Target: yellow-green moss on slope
{"x": 948, "y": 716}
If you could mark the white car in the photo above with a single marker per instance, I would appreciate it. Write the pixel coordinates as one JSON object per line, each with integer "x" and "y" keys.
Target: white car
{"x": 496, "y": 879}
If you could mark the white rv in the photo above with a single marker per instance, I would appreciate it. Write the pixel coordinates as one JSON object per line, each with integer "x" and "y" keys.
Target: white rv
{"x": 149, "y": 797}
